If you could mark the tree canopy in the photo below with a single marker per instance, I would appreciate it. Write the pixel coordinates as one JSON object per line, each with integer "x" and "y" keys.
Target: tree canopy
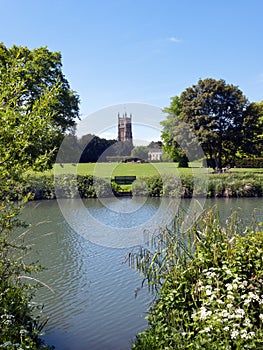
{"x": 35, "y": 71}
{"x": 28, "y": 136}
{"x": 140, "y": 152}
{"x": 221, "y": 117}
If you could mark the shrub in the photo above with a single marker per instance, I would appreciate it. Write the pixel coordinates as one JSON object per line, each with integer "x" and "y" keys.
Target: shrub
{"x": 148, "y": 186}
{"x": 172, "y": 186}
{"x": 20, "y": 325}
{"x": 209, "y": 287}
{"x": 140, "y": 188}
{"x": 249, "y": 163}
{"x": 70, "y": 186}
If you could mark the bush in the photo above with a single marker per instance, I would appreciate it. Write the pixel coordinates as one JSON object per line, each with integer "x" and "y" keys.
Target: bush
{"x": 249, "y": 163}
{"x": 20, "y": 325}
{"x": 65, "y": 186}
{"x": 148, "y": 186}
{"x": 70, "y": 186}
{"x": 209, "y": 284}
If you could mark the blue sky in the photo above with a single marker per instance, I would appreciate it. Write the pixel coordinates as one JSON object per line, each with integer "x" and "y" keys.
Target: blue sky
{"x": 142, "y": 51}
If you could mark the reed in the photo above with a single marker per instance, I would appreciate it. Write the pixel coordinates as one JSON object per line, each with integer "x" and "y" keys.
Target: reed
{"x": 208, "y": 285}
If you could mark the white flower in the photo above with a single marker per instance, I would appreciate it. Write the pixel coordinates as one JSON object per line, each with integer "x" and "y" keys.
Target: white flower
{"x": 247, "y": 322}
{"x": 226, "y": 328}
{"x": 229, "y": 305}
{"x": 224, "y": 313}
{"x": 229, "y": 286}
{"x": 208, "y": 292}
{"x": 210, "y": 274}
{"x": 247, "y": 301}
{"x": 243, "y": 333}
{"x": 253, "y": 296}
{"x": 204, "y": 313}
{"x": 261, "y": 317}
{"x": 207, "y": 329}
{"x": 235, "y": 286}
{"x": 240, "y": 313}
{"x": 234, "y": 334}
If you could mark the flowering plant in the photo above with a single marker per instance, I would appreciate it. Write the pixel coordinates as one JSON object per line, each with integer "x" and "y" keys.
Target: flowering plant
{"x": 210, "y": 292}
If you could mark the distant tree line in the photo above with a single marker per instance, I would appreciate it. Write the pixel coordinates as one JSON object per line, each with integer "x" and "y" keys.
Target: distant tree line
{"x": 91, "y": 148}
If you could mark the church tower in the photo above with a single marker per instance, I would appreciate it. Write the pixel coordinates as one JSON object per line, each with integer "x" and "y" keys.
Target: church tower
{"x": 124, "y": 127}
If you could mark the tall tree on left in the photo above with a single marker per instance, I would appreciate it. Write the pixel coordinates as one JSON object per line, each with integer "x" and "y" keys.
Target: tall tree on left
{"x": 36, "y": 108}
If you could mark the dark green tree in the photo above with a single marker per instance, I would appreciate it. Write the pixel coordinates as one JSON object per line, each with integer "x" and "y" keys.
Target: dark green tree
{"x": 221, "y": 117}
{"x": 140, "y": 152}
{"x": 94, "y": 148}
{"x": 253, "y": 132}
{"x": 70, "y": 150}
{"x": 155, "y": 144}
{"x": 216, "y": 112}
{"x": 123, "y": 148}
{"x": 172, "y": 133}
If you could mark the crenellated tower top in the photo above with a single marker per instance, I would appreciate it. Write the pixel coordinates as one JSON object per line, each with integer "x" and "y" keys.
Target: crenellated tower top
{"x": 124, "y": 127}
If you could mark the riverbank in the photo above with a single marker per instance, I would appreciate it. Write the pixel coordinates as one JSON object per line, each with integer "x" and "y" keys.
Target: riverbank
{"x": 208, "y": 283}
{"x": 184, "y": 186}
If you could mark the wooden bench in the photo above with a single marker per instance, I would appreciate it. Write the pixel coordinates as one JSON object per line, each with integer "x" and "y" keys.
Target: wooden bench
{"x": 124, "y": 180}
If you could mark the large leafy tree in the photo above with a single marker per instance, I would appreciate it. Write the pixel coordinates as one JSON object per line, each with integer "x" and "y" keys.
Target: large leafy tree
{"x": 26, "y": 142}
{"x": 253, "y": 140}
{"x": 221, "y": 117}
{"x": 170, "y": 130}
{"x": 35, "y": 71}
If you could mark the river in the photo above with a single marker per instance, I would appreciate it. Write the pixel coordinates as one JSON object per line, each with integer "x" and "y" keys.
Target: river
{"x": 91, "y": 301}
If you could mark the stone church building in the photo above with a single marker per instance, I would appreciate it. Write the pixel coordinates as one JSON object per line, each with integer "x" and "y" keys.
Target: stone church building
{"x": 124, "y": 127}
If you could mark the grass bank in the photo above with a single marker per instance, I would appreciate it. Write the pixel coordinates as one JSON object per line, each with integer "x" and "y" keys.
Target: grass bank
{"x": 138, "y": 169}
{"x": 209, "y": 286}
{"x": 185, "y": 185}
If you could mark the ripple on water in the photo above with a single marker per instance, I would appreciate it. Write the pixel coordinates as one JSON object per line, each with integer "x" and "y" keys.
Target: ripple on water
{"x": 93, "y": 305}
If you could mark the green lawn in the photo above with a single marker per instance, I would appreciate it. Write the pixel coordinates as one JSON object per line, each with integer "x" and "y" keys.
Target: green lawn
{"x": 124, "y": 169}
{"x": 138, "y": 169}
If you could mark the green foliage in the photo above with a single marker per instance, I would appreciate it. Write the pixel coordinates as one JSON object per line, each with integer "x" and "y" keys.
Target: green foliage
{"x": 26, "y": 139}
{"x": 38, "y": 187}
{"x": 249, "y": 163}
{"x": 169, "y": 132}
{"x": 216, "y": 112}
{"x": 122, "y": 148}
{"x": 209, "y": 284}
{"x": 36, "y": 107}
{"x": 148, "y": 186}
{"x": 220, "y": 116}
{"x": 20, "y": 324}
{"x": 140, "y": 152}
{"x": 185, "y": 186}
{"x": 183, "y": 161}
{"x": 94, "y": 148}
{"x": 235, "y": 185}
{"x": 253, "y": 134}
{"x": 38, "y": 70}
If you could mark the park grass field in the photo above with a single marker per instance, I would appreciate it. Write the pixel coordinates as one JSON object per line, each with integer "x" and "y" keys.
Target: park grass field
{"x": 138, "y": 169}
{"x": 126, "y": 169}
